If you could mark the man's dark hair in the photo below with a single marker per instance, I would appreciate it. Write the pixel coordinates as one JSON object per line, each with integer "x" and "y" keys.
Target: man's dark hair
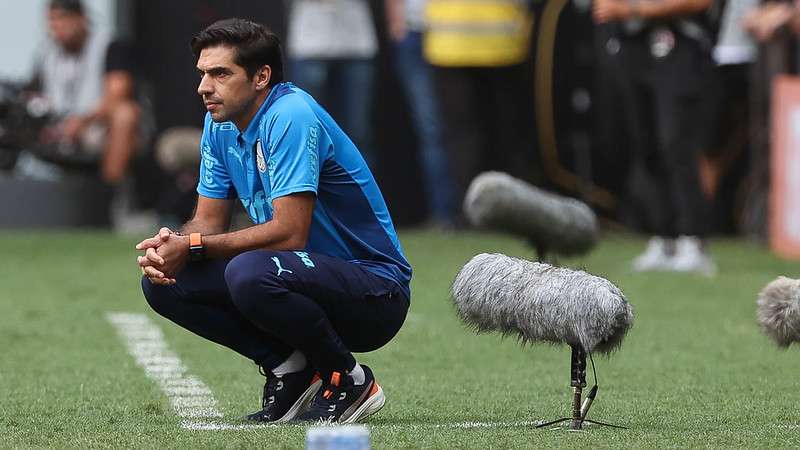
{"x": 71, "y": 6}
{"x": 256, "y": 46}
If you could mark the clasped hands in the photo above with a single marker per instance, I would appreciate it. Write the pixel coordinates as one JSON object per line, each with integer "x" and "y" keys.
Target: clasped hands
{"x": 165, "y": 254}
{"x": 766, "y": 21}
{"x": 604, "y": 11}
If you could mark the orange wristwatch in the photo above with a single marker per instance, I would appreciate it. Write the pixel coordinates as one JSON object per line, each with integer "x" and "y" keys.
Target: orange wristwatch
{"x": 197, "y": 251}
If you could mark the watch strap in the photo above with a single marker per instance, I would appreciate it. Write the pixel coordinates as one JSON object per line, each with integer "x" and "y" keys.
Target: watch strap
{"x": 197, "y": 251}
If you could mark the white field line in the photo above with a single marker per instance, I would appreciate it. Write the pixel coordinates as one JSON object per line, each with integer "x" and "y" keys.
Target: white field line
{"x": 194, "y": 402}
{"x": 189, "y": 396}
{"x": 217, "y": 426}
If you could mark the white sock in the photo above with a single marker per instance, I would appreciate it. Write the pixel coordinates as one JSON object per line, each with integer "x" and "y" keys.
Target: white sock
{"x": 357, "y": 374}
{"x": 294, "y": 363}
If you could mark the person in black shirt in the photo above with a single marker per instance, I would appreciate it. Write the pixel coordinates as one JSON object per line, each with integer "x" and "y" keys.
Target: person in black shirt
{"x": 87, "y": 80}
{"x": 663, "y": 50}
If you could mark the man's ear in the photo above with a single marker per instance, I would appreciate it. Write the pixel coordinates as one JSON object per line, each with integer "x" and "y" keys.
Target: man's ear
{"x": 262, "y": 77}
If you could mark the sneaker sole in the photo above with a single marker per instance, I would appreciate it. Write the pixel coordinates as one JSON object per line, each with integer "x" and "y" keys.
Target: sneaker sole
{"x": 371, "y": 405}
{"x": 302, "y": 403}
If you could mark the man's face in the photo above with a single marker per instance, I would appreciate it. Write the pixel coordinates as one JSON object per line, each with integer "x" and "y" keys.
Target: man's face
{"x": 66, "y": 28}
{"x": 226, "y": 89}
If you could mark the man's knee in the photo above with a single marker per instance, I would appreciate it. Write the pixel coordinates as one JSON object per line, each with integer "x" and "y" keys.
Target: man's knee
{"x": 158, "y": 297}
{"x": 250, "y": 281}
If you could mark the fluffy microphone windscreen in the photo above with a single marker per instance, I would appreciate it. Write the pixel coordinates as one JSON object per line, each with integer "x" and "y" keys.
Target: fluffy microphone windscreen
{"x": 778, "y": 310}
{"x": 539, "y": 302}
{"x": 498, "y": 201}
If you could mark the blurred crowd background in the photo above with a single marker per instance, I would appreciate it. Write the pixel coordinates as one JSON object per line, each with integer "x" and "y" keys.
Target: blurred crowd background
{"x": 655, "y": 112}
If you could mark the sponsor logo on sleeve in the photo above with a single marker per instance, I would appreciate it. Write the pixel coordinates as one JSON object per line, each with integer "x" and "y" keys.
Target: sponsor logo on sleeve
{"x": 313, "y": 153}
{"x": 260, "y": 161}
{"x": 209, "y": 161}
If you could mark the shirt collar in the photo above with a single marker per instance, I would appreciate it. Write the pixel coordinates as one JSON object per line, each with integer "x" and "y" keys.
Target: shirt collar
{"x": 251, "y": 133}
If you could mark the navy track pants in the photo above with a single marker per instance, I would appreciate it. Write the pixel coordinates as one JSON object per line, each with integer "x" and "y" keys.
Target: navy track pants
{"x": 265, "y": 304}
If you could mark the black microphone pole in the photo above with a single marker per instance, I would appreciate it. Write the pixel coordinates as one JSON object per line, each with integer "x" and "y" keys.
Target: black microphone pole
{"x": 578, "y": 382}
{"x": 577, "y": 375}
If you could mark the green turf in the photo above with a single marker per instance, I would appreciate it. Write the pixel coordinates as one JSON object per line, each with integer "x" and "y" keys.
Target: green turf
{"x": 693, "y": 372}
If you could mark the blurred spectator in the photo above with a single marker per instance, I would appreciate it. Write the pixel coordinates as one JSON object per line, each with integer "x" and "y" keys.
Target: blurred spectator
{"x": 87, "y": 81}
{"x": 331, "y": 47}
{"x": 774, "y": 25}
{"x": 405, "y": 22}
{"x": 177, "y": 152}
{"x": 734, "y": 47}
{"x": 726, "y": 156}
{"x": 665, "y": 48}
{"x": 767, "y": 20}
{"x": 480, "y": 53}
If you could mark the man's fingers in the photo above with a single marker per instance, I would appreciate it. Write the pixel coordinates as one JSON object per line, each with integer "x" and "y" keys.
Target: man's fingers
{"x": 155, "y": 241}
{"x": 151, "y": 275}
{"x": 148, "y": 243}
{"x": 600, "y": 16}
{"x": 160, "y": 281}
{"x": 142, "y": 261}
{"x": 164, "y": 233}
{"x": 152, "y": 272}
{"x": 600, "y": 13}
{"x": 153, "y": 256}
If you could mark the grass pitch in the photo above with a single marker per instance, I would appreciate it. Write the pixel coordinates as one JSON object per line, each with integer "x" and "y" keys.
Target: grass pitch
{"x": 693, "y": 372}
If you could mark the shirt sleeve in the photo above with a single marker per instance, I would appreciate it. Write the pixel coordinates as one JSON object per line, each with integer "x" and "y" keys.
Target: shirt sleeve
{"x": 215, "y": 182}
{"x": 119, "y": 56}
{"x": 36, "y": 82}
{"x": 297, "y": 146}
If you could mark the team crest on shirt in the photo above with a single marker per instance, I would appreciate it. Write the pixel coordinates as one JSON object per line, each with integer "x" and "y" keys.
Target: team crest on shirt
{"x": 260, "y": 161}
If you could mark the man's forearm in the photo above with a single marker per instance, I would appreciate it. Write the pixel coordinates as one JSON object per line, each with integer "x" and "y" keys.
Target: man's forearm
{"x": 288, "y": 229}
{"x": 118, "y": 88}
{"x": 202, "y": 226}
{"x": 267, "y": 235}
{"x": 394, "y": 11}
{"x": 102, "y": 111}
{"x": 668, "y": 8}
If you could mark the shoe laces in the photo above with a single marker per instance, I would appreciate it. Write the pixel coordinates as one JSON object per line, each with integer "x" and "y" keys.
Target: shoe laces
{"x": 332, "y": 392}
{"x": 272, "y": 385}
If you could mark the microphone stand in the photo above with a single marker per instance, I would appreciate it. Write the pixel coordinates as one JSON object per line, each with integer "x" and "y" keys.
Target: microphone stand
{"x": 578, "y": 382}
{"x": 543, "y": 254}
{"x": 577, "y": 369}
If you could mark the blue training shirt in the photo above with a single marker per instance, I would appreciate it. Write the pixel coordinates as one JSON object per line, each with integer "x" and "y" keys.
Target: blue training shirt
{"x": 293, "y": 145}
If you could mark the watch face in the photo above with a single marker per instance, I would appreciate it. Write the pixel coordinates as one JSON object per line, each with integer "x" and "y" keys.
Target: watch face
{"x": 197, "y": 253}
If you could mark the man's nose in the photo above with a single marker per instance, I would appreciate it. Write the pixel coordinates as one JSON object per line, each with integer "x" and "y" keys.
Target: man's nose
{"x": 205, "y": 86}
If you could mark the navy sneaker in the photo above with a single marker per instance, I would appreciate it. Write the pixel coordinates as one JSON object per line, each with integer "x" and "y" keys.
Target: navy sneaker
{"x": 286, "y": 396}
{"x": 341, "y": 401}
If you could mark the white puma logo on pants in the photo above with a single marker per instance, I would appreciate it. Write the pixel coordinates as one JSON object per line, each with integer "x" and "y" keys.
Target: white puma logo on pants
{"x": 278, "y": 264}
